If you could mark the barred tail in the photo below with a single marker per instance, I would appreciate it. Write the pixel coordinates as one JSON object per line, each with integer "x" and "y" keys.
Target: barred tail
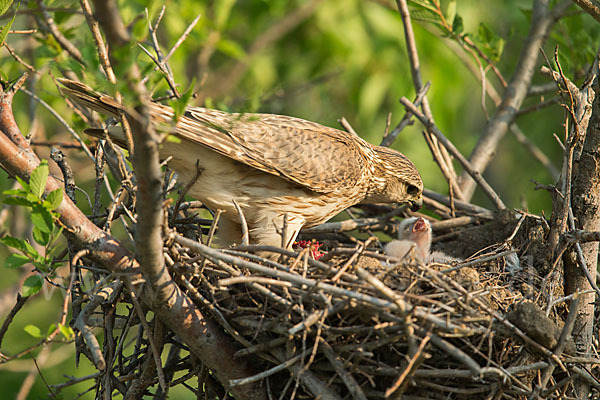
{"x": 88, "y": 97}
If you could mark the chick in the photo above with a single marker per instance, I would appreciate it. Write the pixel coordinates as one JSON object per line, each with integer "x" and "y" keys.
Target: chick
{"x": 415, "y": 232}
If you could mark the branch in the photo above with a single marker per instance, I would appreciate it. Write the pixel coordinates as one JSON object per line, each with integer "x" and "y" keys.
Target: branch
{"x": 205, "y": 338}
{"x": 50, "y": 25}
{"x": 439, "y": 153}
{"x": 542, "y": 20}
{"x": 591, "y": 7}
{"x": 430, "y": 126}
{"x": 582, "y": 236}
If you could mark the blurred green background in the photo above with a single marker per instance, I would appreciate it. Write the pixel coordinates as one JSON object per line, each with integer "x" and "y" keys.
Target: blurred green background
{"x": 318, "y": 60}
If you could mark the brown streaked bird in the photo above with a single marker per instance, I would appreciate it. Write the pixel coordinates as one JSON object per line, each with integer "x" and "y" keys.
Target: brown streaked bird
{"x": 270, "y": 165}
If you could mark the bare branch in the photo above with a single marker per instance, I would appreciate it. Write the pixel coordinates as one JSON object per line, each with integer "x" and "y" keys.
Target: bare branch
{"x": 439, "y": 153}
{"x": 50, "y": 25}
{"x": 591, "y": 7}
{"x": 430, "y": 126}
{"x": 542, "y": 20}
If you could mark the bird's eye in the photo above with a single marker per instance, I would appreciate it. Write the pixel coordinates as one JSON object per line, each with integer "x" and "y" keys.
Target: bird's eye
{"x": 412, "y": 190}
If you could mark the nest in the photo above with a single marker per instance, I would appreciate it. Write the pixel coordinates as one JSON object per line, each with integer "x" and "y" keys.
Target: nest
{"x": 361, "y": 325}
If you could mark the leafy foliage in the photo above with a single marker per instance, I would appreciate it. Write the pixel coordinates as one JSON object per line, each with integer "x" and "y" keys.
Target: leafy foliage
{"x": 45, "y": 231}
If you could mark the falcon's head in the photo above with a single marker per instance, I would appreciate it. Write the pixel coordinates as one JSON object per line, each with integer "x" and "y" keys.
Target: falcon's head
{"x": 395, "y": 179}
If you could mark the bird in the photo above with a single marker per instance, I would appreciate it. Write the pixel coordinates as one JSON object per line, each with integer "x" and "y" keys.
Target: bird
{"x": 279, "y": 170}
{"x": 415, "y": 233}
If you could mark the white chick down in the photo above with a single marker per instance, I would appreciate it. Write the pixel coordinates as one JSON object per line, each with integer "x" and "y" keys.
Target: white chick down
{"x": 415, "y": 232}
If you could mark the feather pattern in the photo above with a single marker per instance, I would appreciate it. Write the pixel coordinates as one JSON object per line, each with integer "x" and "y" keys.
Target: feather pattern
{"x": 271, "y": 165}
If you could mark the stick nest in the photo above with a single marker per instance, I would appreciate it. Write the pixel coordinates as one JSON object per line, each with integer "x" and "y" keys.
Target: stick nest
{"x": 360, "y": 325}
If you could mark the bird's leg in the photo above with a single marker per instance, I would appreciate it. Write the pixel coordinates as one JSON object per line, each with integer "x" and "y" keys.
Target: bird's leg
{"x": 280, "y": 232}
{"x": 228, "y": 232}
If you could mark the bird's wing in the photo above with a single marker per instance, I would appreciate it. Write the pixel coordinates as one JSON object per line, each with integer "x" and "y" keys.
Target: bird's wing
{"x": 320, "y": 158}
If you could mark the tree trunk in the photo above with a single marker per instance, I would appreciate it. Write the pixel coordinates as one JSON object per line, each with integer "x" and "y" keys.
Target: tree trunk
{"x": 586, "y": 210}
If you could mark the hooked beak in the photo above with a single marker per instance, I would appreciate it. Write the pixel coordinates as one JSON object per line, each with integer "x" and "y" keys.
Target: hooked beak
{"x": 415, "y": 205}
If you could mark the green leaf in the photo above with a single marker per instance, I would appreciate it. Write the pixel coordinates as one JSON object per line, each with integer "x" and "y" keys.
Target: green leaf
{"x": 42, "y": 218}
{"x": 4, "y": 30}
{"x": 222, "y": 12}
{"x": 457, "y": 25}
{"x": 42, "y": 238}
{"x": 16, "y": 260}
{"x": 20, "y": 244}
{"x": 38, "y": 179}
{"x": 66, "y": 331}
{"x": 14, "y": 192}
{"x": 179, "y": 105}
{"x": 33, "y": 331}
{"x": 32, "y": 285}
{"x": 41, "y": 264}
{"x": 24, "y": 184}
{"x": 5, "y": 5}
{"x": 51, "y": 329}
{"x": 489, "y": 42}
{"x": 449, "y": 10}
{"x": 54, "y": 199}
{"x": 231, "y": 48}
{"x": 56, "y": 233}
{"x": 173, "y": 139}
{"x": 18, "y": 201}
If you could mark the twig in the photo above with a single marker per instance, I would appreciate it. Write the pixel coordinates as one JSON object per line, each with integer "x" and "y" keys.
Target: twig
{"x": 243, "y": 224}
{"x": 185, "y": 190}
{"x": 460, "y": 205}
{"x": 557, "y": 77}
{"x": 151, "y": 340}
{"x": 406, "y": 119}
{"x": 62, "y": 122}
{"x": 351, "y": 384}
{"x": 220, "y": 259}
{"x": 562, "y": 341}
{"x": 100, "y": 46}
{"x": 581, "y": 236}
{"x": 60, "y": 159}
{"x": 267, "y": 373}
{"x": 409, "y": 366}
{"x": 81, "y": 323}
{"x": 49, "y": 23}
{"x": 439, "y": 152}
{"x": 491, "y": 194}
{"x": 21, "y": 300}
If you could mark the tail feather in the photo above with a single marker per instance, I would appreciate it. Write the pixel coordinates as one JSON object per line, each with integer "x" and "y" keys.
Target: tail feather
{"x": 114, "y": 132}
{"x": 88, "y": 97}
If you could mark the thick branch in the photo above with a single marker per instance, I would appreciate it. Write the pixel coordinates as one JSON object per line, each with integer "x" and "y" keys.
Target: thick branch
{"x": 586, "y": 210}
{"x": 591, "y": 7}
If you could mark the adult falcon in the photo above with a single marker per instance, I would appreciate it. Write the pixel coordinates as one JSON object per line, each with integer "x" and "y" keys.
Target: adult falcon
{"x": 270, "y": 165}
